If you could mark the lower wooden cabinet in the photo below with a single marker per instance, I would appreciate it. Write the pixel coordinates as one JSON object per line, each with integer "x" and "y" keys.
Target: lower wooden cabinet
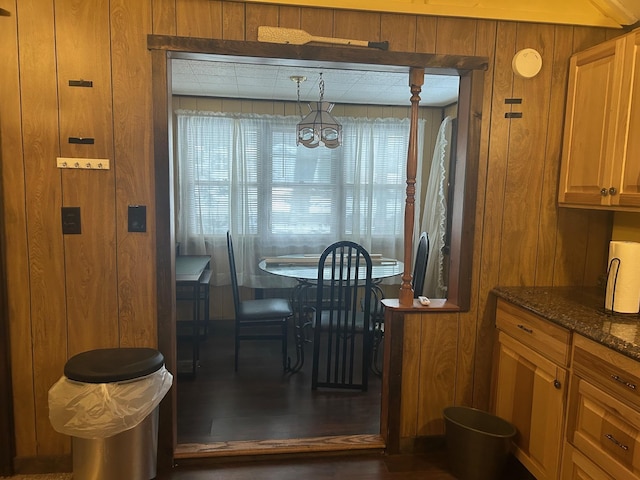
{"x": 603, "y": 421}
{"x": 575, "y": 466}
{"x": 530, "y": 388}
{"x": 574, "y": 401}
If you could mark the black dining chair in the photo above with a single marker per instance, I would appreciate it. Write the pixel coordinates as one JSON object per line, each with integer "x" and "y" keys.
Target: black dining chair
{"x": 259, "y": 319}
{"x": 342, "y": 326}
{"x": 417, "y": 284}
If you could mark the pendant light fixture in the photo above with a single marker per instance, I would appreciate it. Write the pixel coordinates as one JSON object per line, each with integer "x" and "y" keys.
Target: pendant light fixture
{"x": 318, "y": 127}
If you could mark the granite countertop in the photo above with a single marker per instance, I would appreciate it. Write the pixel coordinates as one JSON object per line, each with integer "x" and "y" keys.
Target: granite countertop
{"x": 580, "y": 310}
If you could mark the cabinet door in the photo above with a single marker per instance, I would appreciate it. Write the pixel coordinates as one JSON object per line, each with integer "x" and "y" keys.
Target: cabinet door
{"x": 593, "y": 96}
{"x": 530, "y": 393}
{"x": 628, "y": 140}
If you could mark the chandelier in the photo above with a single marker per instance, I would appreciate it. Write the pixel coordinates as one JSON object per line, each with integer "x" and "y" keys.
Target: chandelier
{"x": 318, "y": 126}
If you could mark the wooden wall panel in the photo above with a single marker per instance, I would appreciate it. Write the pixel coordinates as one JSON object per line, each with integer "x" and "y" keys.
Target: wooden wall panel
{"x": 525, "y": 165}
{"x": 134, "y": 177}
{"x": 83, "y": 40}
{"x": 198, "y": 19}
{"x": 14, "y": 238}
{"x": 569, "y": 248}
{"x": 257, "y": 15}
{"x": 411, "y": 352}
{"x": 289, "y": 17}
{"x": 456, "y": 36}
{"x": 12, "y": 209}
{"x": 426, "y": 28}
{"x": 317, "y": 21}
{"x": 357, "y": 25}
{"x": 48, "y": 335}
{"x": 400, "y": 32}
{"x": 233, "y": 17}
{"x": 437, "y": 382}
{"x": 164, "y": 16}
{"x": 489, "y": 220}
{"x": 473, "y": 364}
{"x": 557, "y": 62}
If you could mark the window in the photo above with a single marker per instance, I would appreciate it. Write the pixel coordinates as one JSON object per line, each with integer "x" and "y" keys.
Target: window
{"x": 246, "y": 174}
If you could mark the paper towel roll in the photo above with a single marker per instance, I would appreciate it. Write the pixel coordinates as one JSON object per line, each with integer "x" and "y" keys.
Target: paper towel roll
{"x": 623, "y": 278}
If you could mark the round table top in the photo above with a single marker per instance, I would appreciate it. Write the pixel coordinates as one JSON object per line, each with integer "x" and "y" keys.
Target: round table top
{"x": 304, "y": 267}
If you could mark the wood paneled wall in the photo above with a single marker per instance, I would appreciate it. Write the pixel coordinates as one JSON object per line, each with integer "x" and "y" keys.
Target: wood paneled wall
{"x": 68, "y": 293}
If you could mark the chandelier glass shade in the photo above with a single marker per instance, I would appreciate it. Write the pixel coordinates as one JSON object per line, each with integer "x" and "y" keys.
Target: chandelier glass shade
{"x": 318, "y": 126}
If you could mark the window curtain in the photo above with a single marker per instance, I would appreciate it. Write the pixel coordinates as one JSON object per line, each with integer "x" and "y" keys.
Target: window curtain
{"x": 434, "y": 218}
{"x": 244, "y": 173}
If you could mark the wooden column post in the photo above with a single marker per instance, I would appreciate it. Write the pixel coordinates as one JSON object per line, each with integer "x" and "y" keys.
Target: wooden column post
{"x": 416, "y": 80}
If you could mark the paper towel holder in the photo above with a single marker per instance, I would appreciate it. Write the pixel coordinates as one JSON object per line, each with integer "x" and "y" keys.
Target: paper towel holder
{"x": 616, "y": 261}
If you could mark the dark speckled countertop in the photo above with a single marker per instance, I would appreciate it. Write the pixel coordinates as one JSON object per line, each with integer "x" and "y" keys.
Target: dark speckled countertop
{"x": 580, "y": 310}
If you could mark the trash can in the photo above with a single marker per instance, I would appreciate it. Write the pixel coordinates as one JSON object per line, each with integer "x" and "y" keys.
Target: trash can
{"x": 107, "y": 401}
{"x": 478, "y": 443}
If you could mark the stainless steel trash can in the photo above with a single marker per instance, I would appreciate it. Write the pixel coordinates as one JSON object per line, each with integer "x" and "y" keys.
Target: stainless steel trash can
{"x": 478, "y": 443}
{"x": 132, "y": 453}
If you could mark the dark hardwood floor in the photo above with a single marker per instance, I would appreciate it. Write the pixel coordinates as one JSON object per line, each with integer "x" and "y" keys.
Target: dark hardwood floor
{"x": 423, "y": 466}
{"x": 259, "y": 402}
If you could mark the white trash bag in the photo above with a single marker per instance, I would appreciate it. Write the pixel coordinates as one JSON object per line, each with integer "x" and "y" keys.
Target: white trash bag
{"x": 101, "y": 410}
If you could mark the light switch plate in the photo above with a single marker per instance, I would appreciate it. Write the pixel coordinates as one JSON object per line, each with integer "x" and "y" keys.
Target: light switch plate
{"x": 137, "y": 218}
{"x": 71, "y": 221}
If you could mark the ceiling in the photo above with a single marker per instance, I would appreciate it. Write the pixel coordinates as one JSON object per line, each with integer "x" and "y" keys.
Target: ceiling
{"x": 239, "y": 79}
{"x": 600, "y": 13}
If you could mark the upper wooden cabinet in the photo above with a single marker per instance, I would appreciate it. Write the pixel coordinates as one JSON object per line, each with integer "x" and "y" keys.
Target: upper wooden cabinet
{"x": 601, "y": 153}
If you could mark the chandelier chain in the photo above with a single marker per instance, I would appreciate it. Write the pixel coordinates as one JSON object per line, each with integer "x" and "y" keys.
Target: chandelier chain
{"x": 299, "y": 107}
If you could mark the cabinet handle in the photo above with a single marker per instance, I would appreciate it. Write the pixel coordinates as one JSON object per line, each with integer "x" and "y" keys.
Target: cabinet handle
{"x": 522, "y": 327}
{"x": 557, "y": 384}
{"x": 624, "y": 382}
{"x": 613, "y": 191}
{"x": 604, "y": 192}
{"x": 616, "y": 442}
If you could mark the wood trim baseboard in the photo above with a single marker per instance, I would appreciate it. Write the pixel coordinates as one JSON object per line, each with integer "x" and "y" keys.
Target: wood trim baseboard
{"x": 333, "y": 444}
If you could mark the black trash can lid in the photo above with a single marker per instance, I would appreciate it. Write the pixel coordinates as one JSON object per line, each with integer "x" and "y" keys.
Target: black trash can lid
{"x": 109, "y": 365}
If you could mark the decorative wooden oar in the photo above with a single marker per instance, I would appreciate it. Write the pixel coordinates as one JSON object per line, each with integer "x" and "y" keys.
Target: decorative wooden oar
{"x": 300, "y": 37}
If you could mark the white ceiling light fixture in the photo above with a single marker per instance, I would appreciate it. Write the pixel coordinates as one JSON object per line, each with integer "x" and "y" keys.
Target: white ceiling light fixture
{"x": 318, "y": 127}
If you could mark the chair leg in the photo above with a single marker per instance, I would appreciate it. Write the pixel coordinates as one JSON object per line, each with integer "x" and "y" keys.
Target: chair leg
{"x": 237, "y": 347}
{"x": 285, "y": 333}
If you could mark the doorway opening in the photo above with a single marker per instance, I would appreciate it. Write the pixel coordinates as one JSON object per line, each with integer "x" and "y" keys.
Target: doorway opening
{"x": 164, "y": 49}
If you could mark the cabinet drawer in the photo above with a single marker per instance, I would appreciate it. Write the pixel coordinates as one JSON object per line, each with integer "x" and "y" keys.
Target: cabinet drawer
{"x": 545, "y": 337}
{"x": 607, "y": 368}
{"x": 575, "y": 466}
{"x": 604, "y": 430}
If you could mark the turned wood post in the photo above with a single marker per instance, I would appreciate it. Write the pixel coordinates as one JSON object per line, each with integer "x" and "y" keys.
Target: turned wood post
{"x": 416, "y": 80}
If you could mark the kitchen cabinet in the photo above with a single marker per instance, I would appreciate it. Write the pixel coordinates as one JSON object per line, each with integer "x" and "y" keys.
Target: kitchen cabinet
{"x": 530, "y": 385}
{"x": 603, "y": 417}
{"x": 600, "y": 167}
{"x": 575, "y": 466}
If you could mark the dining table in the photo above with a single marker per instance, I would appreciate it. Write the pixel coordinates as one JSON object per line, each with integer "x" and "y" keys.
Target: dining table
{"x": 304, "y": 269}
{"x": 193, "y": 278}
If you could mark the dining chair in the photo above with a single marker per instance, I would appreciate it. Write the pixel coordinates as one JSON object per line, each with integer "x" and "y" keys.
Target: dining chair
{"x": 258, "y": 319}
{"x": 342, "y": 326}
{"x": 417, "y": 284}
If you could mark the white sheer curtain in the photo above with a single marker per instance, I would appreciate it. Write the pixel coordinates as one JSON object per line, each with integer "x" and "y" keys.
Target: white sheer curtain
{"x": 434, "y": 218}
{"x": 244, "y": 173}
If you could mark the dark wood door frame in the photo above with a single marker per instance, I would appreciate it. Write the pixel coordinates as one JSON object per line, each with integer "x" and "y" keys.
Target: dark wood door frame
{"x": 164, "y": 48}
